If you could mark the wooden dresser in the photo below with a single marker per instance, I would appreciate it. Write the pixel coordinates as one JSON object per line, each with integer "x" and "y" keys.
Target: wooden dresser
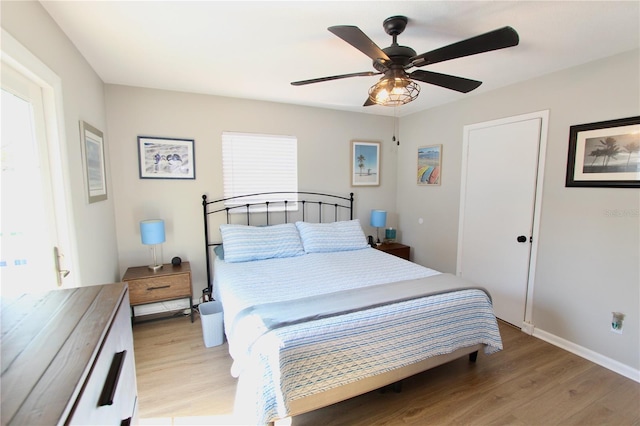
{"x": 67, "y": 358}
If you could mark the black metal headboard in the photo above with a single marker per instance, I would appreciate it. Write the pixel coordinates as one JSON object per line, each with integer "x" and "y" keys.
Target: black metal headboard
{"x": 273, "y": 211}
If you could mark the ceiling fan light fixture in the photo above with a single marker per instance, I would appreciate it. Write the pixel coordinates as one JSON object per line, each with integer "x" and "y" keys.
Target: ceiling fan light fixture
{"x": 393, "y": 91}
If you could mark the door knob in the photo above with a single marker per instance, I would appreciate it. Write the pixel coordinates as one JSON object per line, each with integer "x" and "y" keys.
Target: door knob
{"x": 522, "y": 239}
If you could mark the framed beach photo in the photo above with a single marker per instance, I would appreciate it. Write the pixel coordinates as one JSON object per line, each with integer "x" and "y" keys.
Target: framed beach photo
{"x": 166, "y": 158}
{"x": 92, "y": 147}
{"x": 429, "y": 165}
{"x": 605, "y": 154}
{"x": 365, "y": 163}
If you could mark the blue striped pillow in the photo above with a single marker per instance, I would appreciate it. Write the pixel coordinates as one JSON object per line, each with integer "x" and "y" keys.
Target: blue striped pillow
{"x": 334, "y": 236}
{"x": 245, "y": 243}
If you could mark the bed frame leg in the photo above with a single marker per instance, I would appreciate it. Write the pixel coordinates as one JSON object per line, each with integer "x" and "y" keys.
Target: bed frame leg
{"x": 473, "y": 356}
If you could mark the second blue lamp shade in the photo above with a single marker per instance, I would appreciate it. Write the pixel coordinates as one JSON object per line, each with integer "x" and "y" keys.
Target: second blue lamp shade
{"x": 378, "y": 220}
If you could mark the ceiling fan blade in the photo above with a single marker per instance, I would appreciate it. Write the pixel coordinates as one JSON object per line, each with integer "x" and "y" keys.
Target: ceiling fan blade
{"x": 355, "y": 37}
{"x": 493, "y": 40}
{"x": 334, "y": 77}
{"x": 452, "y": 82}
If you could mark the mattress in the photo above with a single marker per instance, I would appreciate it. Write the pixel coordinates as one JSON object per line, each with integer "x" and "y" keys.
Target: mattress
{"x": 299, "y": 360}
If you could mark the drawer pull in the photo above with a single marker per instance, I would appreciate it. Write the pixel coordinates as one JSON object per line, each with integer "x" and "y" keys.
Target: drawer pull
{"x": 158, "y": 288}
{"x": 126, "y": 422}
{"x": 109, "y": 389}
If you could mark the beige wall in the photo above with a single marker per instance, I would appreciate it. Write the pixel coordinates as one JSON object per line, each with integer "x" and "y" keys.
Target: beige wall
{"x": 324, "y": 155}
{"x": 83, "y": 96}
{"x": 588, "y": 259}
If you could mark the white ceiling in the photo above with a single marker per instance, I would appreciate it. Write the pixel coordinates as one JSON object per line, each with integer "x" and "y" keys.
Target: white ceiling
{"x": 255, "y": 49}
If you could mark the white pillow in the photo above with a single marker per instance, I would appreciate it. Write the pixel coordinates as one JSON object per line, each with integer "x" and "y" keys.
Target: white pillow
{"x": 245, "y": 243}
{"x": 333, "y": 236}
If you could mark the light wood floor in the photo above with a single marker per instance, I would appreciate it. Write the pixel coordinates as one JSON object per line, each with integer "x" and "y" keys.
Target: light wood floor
{"x": 530, "y": 382}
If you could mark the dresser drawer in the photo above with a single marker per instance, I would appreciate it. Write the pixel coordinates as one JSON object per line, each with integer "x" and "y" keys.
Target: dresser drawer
{"x": 109, "y": 395}
{"x": 156, "y": 289}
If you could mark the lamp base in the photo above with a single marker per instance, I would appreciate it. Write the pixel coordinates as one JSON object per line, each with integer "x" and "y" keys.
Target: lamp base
{"x": 154, "y": 268}
{"x": 155, "y": 265}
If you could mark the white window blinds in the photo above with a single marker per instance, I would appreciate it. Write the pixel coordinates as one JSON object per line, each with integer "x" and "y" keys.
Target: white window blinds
{"x": 255, "y": 163}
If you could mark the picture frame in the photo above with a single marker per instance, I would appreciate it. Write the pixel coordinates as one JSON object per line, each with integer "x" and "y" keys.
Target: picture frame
{"x": 92, "y": 147}
{"x": 429, "y": 172}
{"x": 604, "y": 154}
{"x": 166, "y": 158}
{"x": 365, "y": 163}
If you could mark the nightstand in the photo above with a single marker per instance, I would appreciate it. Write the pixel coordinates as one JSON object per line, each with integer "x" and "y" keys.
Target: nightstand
{"x": 395, "y": 249}
{"x": 168, "y": 283}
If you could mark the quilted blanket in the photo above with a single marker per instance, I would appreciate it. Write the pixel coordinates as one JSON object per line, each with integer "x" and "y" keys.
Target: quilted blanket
{"x": 297, "y": 360}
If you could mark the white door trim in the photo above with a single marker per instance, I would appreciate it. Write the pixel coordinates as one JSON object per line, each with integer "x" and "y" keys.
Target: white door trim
{"x": 528, "y": 323}
{"x": 20, "y": 58}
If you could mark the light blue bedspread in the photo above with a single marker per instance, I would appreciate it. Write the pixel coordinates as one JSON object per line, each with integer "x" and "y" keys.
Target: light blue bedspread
{"x": 300, "y": 359}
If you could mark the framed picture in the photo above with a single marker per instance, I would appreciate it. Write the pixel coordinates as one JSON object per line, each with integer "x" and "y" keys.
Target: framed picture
{"x": 92, "y": 147}
{"x": 365, "y": 163}
{"x": 429, "y": 165}
{"x": 605, "y": 154}
{"x": 166, "y": 158}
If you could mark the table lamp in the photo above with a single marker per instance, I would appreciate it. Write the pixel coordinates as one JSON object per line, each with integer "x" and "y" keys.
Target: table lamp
{"x": 378, "y": 220}
{"x": 152, "y": 233}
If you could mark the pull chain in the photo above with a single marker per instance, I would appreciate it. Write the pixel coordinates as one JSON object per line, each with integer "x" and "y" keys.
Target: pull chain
{"x": 395, "y": 121}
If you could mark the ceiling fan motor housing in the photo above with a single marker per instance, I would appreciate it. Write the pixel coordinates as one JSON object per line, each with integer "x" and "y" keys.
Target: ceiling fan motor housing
{"x": 400, "y": 55}
{"x": 395, "y": 25}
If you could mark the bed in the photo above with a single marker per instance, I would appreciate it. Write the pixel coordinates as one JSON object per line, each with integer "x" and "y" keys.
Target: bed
{"x": 313, "y": 315}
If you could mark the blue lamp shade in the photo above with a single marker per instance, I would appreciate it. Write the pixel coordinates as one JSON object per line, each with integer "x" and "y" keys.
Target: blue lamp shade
{"x": 152, "y": 231}
{"x": 378, "y": 218}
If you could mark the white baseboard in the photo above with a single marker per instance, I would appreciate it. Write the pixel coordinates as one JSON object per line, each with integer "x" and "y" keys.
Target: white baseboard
{"x": 592, "y": 356}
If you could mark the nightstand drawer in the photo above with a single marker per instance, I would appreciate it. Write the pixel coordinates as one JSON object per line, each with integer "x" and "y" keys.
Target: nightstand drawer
{"x": 396, "y": 249}
{"x": 148, "y": 290}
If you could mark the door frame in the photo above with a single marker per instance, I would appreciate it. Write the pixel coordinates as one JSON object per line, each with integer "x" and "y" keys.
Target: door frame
{"x": 528, "y": 324}
{"x": 21, "y": 59}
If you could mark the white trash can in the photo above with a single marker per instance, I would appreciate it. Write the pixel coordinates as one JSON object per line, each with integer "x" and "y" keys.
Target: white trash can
{"x": 211, "y": 319}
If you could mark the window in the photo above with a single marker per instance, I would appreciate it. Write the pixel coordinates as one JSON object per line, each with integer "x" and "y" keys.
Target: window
{"x": 255, "y": 163}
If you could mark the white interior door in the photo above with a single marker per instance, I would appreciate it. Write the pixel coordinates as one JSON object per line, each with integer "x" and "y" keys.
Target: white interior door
{"x": 500, "y": 166}
{"x": 31, "y": 254}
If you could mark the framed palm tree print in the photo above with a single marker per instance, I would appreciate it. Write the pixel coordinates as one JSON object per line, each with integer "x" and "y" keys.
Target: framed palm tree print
{"x": 365, "y": 163}
{"x": 605, "y": 154}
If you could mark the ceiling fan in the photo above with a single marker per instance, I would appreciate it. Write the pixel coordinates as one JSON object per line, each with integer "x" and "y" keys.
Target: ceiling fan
{"x": 397, "y": 87}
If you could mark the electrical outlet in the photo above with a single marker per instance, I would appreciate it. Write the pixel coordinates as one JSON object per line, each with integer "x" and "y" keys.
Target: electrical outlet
{"x": 527, "y": 328}
{"x": 617, "y": 319}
